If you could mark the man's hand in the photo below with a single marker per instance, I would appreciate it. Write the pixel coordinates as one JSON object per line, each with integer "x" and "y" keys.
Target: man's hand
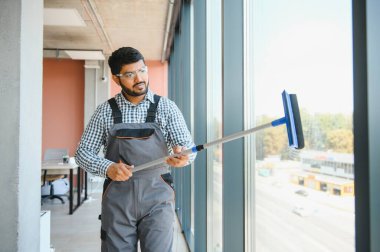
{"x": 179, "y": 161}
{"x": 119, "y": 171}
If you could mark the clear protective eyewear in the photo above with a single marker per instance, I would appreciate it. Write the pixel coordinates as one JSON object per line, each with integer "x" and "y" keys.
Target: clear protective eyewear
{"x": 132, "y": 75}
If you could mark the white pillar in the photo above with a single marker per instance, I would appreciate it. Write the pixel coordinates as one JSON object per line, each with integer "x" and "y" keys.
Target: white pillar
{"x": 96, "y": 87}
{"x": 21, "y": 40}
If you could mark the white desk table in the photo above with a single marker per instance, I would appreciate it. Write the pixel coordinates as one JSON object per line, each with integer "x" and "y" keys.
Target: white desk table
{"x": 56, "y": 167}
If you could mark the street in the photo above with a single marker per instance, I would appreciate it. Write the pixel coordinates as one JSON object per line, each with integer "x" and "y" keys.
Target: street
{"x": 328, "y": 224}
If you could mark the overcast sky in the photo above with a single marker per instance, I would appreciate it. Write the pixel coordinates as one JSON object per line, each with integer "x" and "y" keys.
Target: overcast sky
{"x": 305, "y": 47}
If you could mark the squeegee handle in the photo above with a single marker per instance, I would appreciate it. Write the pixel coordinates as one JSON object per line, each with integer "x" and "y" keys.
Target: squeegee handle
{"x": 150, "y": 164}
{"x": 236, "y": 135}
{"x": 204, "y": 146}
{"x": 163, "y": 160}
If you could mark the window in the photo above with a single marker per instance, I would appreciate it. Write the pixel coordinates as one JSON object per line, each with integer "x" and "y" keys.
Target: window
{"x": 214, "y": 126}
{"x": 304, "y": 199}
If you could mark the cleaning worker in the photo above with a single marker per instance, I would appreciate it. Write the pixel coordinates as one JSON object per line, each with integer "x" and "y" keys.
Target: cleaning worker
{"x": 135, "y": 127}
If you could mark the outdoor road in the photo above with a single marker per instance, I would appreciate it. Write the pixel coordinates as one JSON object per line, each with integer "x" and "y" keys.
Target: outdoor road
{"x": 329, "y": 227}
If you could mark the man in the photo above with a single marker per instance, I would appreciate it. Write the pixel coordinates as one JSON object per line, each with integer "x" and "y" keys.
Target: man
{"x": 135, "y": 127}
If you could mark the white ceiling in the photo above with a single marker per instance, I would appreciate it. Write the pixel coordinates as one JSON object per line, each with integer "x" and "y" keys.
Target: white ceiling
{"x": 111, "y": 24}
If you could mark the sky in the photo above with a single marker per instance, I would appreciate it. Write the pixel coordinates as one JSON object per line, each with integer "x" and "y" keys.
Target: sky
{"x": 304, "y": 47}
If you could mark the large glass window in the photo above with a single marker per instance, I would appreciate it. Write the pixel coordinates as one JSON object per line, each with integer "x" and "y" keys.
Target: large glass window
{"x": 214, "y": 126}
{"x": 304, "y": 199}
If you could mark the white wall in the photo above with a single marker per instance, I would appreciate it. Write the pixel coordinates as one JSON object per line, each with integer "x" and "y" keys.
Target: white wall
{"x": 21, "y": 34}
{"x": 96, "y": 90}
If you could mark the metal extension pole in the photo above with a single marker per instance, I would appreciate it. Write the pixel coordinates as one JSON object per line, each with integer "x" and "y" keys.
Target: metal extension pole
{"x": 204, "y": 146}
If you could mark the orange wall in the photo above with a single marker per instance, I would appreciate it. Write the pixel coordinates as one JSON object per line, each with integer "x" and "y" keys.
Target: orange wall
{"x": 62, "y": 104}
{"x": 158, "y": 78}
{"x": 63, "y": 100}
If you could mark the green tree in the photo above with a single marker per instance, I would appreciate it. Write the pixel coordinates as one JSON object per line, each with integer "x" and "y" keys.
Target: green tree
{"x": 321, "y": 132}
{"x": 271, "y": 141}
{"x": 340, "y": 140}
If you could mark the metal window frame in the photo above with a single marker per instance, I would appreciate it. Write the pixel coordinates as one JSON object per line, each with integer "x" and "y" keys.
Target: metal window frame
{"x": 186, "y": 76}
{"x": 366, "y": 35}
{"x": 233, "y": 121}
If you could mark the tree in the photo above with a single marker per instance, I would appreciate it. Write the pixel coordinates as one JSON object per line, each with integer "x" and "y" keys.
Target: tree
{"x": 271, "y": 141}
{"x": 321, "y": 132}
{"x": 340, "y": 140}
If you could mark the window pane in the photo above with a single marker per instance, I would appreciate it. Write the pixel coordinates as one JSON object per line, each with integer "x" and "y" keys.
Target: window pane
{"x": 214, "y": 127}
{"x": 304, "y": 198}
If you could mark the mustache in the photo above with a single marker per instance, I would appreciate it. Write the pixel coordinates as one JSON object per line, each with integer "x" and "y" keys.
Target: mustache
{"x": 142, "y": 82}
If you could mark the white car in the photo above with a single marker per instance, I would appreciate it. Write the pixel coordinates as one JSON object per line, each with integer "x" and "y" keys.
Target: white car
{"x": 304, "y": 211}
{"x": 302, "y": 192}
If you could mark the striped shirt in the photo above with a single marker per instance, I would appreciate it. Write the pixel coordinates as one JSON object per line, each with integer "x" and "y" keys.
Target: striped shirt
{"x": 168, "y": 117}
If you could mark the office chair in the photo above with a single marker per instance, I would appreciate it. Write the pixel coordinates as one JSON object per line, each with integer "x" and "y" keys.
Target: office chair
{"x": 53, "y": 154}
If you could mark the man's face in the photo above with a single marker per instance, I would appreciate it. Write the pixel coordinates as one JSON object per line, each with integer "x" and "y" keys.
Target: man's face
{"x": 133, "y": 78}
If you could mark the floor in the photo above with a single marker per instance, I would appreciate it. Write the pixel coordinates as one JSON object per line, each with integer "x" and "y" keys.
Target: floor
{"x": 81, "y": 231}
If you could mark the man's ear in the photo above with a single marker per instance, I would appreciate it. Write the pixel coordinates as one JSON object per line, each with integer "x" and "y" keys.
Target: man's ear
{"x": 116, "y": 79}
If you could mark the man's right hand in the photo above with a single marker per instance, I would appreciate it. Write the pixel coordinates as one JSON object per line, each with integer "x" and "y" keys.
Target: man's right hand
{"x": 119, "y": 172}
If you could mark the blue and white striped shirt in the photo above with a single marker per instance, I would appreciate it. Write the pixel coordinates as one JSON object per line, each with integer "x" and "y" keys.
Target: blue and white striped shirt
{"x": 168, "y": 117}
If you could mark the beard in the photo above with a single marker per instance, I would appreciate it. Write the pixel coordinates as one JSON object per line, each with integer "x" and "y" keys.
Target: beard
{"x": 134, "y": 93}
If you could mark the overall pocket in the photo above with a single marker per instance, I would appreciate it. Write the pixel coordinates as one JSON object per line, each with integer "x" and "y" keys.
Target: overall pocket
{"x": 168, "y": 179}
{"x": 139, "y": 146}
{"x": 106, "y": 186}
{"x": 134, "y": 133}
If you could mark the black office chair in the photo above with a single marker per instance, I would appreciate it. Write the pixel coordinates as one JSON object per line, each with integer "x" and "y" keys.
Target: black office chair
{"x": 52, "y": 154}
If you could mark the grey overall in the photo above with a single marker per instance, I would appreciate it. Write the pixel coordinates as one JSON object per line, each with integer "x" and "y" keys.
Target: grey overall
{"x": 141, "y": 208}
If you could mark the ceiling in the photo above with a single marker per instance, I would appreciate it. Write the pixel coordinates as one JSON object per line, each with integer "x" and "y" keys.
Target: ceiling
{"x": 109, "y": 25}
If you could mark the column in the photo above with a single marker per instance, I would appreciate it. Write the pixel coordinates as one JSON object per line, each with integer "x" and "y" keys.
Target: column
{"x": 21, "y": 39}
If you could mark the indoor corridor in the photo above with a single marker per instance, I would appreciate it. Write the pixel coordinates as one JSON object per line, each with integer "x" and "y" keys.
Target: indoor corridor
{"x": 80, "y": 232}
{"x": 301, "y": 77}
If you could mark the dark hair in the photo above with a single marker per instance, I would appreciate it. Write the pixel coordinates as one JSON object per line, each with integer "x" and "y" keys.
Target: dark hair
{"x": 123, "y": 56}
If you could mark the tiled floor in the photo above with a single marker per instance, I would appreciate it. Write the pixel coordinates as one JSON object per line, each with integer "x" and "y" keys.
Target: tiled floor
{"x": 80, "y": 231}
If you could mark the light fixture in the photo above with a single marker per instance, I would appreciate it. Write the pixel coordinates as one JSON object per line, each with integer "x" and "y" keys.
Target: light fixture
{"x": 85, "y": 55}
{"x": 63, "y": 17}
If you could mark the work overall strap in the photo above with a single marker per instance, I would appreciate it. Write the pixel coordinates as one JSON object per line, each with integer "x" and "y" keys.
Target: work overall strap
{"x": 116, "y": 113}
{"x": 118, "y": 118}
{"x": 151, "y": 115}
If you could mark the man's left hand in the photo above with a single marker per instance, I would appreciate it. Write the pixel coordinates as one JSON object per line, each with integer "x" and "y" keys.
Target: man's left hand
{"x": 180, "y": 160}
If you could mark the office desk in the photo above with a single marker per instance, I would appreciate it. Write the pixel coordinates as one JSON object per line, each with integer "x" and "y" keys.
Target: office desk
{"x": 54, "y": 167}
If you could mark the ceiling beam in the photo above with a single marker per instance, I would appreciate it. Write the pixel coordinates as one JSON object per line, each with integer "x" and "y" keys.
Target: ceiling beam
{"x": 173, "y": 16}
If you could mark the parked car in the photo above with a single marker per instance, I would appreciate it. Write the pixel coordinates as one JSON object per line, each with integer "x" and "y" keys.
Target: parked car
{"x": 304, "y": 211}
{"x": 302, "y": 192}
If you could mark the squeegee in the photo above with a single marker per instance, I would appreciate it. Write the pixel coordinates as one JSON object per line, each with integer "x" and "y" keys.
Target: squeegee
{"x": 292, "y": 120}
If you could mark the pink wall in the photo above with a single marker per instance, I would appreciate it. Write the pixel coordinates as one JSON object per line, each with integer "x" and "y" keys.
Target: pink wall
{"x": 62, "y": 104}
{"x": 158, "y": 78}
{"x": 63, "y": 100}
